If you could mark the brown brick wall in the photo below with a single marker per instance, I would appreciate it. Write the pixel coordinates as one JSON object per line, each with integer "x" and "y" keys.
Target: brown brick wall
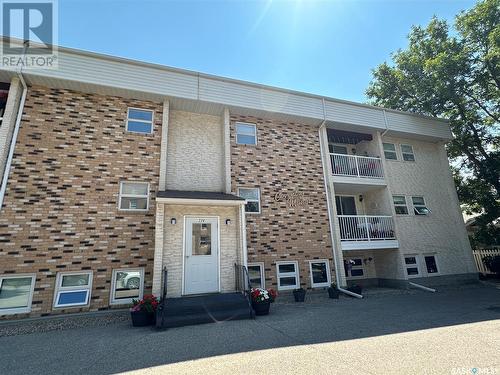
{"x": 60, "y": 210}
{"x": 286, "y": 158}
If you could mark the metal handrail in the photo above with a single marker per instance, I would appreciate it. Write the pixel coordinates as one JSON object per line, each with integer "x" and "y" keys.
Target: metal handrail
{"x": 242, "y": 276}
{"x": 160, "y": 315}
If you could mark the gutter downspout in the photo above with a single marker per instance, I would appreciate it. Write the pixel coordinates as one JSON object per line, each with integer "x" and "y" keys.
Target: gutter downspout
{"x": 386, "y": 124}
{"x": 14, "y": 134}
{"x": 418, "y": 286}
{"x": 330, "y": 218}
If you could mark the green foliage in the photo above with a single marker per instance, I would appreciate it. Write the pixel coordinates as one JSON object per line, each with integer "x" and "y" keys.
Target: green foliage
{"x": 455, "y": 75}
{"x": 492, "y": 262}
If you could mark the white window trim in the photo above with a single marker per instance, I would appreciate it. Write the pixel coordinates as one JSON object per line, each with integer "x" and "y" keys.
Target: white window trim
{"x": 407, "y": 153}
{"x": 438, "y": 273}
{"x": 251, "y": 200}
{"x": 122, "y": 301}
{"x": 143, "y": 121}
{"x": 19, "y": 310}
{"x": 395, "y": 151}
{"x": 247, "y": 124}
{"x": 400, "y": 205}
{"x": 419, "y": 205}
{"x": 417, "y": 265}
{"x": 78, "y": 288}
{"x": 121, "y": 195}
{"x": 354, "y": 267}
{"x": 262, "y": 278}
{"x": 320, "y": 285}
{"x": 345, "y": 145}
{"x": 288, "y": 274}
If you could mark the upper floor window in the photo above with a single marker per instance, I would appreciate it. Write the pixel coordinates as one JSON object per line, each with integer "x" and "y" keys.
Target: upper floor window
{"x": 252, "y": 195}
{"x": 390, "y": 151}
{"x": 400, "y": 204}
{"x": 140, "y": 121}
{"x": 337, "y": 149}
{"x": 246, "y": 134}
{"x": 419, "y": 206}
{"x": 134, "y": 196}
{"x": 407, "y": 152}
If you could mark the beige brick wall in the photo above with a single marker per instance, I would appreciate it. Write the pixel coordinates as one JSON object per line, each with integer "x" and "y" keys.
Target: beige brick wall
{"x": 443, "y": 231}
{"x": 195, "y": 152}
{"x": 230, "y": 249}
{"x": 286, "y": 158}
{"x": 61, "y": 206}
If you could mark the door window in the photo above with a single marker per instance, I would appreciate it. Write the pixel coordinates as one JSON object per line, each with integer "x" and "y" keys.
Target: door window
{"x": 202, "y": 239}
{"x": 345, "y": 205}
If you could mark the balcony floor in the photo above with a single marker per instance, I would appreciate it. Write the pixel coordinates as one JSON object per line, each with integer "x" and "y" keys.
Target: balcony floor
{"x": 370, "y": 245}
{"x": 356, "y": 185}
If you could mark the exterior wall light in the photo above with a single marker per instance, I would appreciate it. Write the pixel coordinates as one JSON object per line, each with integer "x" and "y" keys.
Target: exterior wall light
{"x": 228, "y": 221}
{"x": 173, "y": 221}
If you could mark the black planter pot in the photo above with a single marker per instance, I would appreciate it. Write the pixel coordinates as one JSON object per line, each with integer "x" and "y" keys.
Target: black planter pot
{"x": 355, "y": 289}
{"x": 142, "y": 318}
{"x": 333, "y": 293}
{"x": 261, "y": 308}
{"x": 299, "y": 295}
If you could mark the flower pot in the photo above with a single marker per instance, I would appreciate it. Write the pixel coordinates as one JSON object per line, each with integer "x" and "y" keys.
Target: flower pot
{"x": 142, "y": 318}
{"x": 299, "y": 295}
{"x": 333, "y": 293}
{"x": 355, "y": 289}
{"x": 261, "y": 308}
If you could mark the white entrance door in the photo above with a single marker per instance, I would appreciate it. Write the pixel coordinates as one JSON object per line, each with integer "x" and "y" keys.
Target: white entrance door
{"x": 201, "y": 271}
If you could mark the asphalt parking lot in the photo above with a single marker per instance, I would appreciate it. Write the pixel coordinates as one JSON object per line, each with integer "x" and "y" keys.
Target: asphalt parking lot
{"x": 453, "y": 331}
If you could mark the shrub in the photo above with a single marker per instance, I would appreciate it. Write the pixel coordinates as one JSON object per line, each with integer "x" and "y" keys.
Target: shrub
{"x": 492, "y": 262}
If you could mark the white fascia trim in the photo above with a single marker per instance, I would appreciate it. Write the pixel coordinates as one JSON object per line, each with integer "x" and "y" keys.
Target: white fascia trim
{"x": 201, "y": 202}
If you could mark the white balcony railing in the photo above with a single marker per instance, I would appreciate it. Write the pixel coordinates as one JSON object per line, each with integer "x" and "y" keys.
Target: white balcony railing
{"x": 366, "y": 228}
{"x": 356, "y": 166}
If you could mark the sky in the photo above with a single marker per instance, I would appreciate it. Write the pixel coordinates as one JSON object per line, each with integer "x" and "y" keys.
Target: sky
{"x": 323, "y": 47}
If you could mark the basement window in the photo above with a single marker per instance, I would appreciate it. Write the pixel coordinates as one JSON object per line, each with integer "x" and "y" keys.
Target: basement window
{"x": 126, "y": 285}
{"x": 400, "y": 204}
{"x": 419, "y": 206}
{"x": 256, "y": 275}
{"x": 134, "y": 196}
{"x": 431, "y": 264}
{"x": 320, "y": 273}
{"x": 73, "y": 289}
{"x": 246, "y": 134}
{"x": 288, "y": 275}
{"x": 354, "y": 267}
{"x": 390, "y": 151}
{"x": 411, "y": 265}
{"x": 140, "y": 121}
{"x": 16, "y": 293}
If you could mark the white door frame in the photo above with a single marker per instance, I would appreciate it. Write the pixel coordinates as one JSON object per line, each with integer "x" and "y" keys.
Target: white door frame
{"x": 184, "y": 249}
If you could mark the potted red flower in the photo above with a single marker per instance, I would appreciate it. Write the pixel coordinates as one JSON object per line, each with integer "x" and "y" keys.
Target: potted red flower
{"x": 143, "y": 312}
{"x": 261, "y": 300}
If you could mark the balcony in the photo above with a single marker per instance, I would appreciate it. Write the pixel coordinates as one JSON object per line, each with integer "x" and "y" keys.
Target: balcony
{"x": 359, "y": 232}
{"x": 365, "y": 171}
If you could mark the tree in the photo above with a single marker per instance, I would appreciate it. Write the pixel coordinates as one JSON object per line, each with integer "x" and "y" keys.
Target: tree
{"x": 456, "y": 76}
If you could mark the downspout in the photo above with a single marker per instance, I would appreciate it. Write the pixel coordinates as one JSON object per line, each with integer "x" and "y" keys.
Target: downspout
{"x": 386, "y": 124}
{"x": 14, "y": 134}
{"x": 418, "y": 286}
{"x": 330, "y": 216}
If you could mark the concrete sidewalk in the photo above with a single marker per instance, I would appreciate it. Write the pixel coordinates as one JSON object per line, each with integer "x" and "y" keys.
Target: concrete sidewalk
{"x": 449, "y": 332}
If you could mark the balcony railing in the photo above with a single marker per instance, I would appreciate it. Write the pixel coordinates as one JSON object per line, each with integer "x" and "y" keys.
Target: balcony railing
{"x": 366, "y": 228}
{"x": 356, "y": 166}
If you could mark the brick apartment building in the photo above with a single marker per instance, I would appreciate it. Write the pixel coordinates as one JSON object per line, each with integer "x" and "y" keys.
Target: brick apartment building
{"x": 115, "y": 169}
